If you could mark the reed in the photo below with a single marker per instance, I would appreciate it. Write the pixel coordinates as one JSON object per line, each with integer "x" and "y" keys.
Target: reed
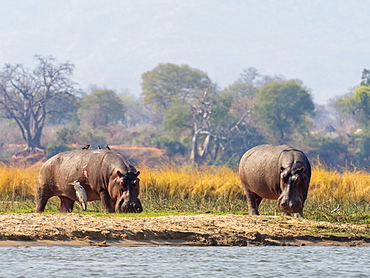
{"x": 17, "y": 182}
{"x": 209, "y": 189}
{"x": 340, "y": 186}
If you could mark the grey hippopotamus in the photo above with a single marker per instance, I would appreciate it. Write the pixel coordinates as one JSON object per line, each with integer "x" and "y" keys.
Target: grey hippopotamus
{"x": 279, "y": 173}
{"x": 105, "y": 175}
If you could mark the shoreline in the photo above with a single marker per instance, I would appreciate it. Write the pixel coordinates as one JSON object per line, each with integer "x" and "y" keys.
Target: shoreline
{"x": 77, "y": 230}
{"x": 137, "y": 243}
{"x": 175, "y": 243}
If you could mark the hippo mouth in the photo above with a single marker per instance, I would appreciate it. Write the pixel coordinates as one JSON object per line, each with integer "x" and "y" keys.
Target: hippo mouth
{"x": 288, "y": 206}
{"x": 129, "y": 207}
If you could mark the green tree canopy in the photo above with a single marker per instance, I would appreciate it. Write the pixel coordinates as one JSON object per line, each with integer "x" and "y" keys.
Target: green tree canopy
{"x": 282, "y": 108}
{"x": 100, "y": 108}
{"x": 167, "y": 82}
{"x": 365, "y": 78}
{"x": 357, "y": 105}
{"x": 238, "y": 91}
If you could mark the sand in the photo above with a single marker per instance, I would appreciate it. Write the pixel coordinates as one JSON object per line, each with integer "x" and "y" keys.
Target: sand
{"x": 74, "y": 229}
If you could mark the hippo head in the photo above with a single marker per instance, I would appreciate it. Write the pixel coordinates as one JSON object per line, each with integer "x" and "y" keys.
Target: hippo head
{"x": 126, "y": 188}
{"x": 294, "y": 186}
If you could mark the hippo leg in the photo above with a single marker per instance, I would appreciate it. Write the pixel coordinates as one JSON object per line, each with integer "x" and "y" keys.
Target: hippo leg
{"x": 66, "y": 204}
{"x": 253, "y": 201}
{"x": 41, "y": 204}
{"x": 106, "y": 201}
{"x": 42, "y": 197}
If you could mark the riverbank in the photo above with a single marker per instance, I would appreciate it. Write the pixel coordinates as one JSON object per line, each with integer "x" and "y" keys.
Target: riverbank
{"x": 31, "y": 229}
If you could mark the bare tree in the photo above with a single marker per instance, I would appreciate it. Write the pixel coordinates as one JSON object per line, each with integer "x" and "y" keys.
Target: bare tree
{"x": 28, "y": 97}
{"x": 204, "y": 130}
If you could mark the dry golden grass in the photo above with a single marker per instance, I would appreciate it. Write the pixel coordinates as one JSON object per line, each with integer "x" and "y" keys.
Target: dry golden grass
{"x": 16, "y": 182}
{"x": 172, "y": 181}
{"x": 185, "y": 182}
{"x": 215, "y": 181}
{"x": 348, "y": 185}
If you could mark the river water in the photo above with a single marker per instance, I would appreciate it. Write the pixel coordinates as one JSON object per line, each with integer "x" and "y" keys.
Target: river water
{"x": 185, "y": 261}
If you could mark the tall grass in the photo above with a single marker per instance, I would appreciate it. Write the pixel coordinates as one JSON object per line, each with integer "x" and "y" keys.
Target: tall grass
{"x": 210, "y": 189}
{"x": 339, "y": 196}
{"x": 346, "y": 185}
{"x": 16, "y": 182}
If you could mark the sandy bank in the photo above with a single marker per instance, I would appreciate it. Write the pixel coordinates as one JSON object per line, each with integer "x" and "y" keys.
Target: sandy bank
{"x": 202, "y": 230}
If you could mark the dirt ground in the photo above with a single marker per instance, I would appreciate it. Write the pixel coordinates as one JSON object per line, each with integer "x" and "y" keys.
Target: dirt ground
{"x": 202, "y": 230}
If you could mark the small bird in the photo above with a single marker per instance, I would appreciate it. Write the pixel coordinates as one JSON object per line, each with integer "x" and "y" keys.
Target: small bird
{"x": 336, "y": 209}
{"x": 99, "y": 147}
{"x": 107, "y": 147}
{"x": 80, "y": 194}
{"x": 86, "y": 147}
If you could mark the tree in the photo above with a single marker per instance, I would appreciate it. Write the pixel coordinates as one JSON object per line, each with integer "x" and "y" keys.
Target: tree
{"x": 282, "y": 108}
{"x": 29, "y": 96}
{"x": 242, "y": 132}
{"x": 136, "y": 114}
{"x": 189, "y": 104}
{"x": 239, "y": 91}
{"x": 101, "y": 108}
{"x": 365, "y": 78}
{"x": 357, "y": 106}
{"x": 177, "y": 119}
{"x": 168, "y": 82}
{"x": 251, "y": 76}
{"x": 204, "y": 128}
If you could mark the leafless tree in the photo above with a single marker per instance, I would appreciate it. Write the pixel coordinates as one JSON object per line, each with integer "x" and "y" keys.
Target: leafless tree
{"x": 204, "y": 131}
{"x": 29, "y": 96}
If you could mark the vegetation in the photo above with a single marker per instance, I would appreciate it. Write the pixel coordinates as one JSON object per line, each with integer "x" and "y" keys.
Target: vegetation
{"x": 182, "y": 111}
{"x": 27, "y": 97}
{"x": 201, "y": 126}
{"x": 171, "y": 189}
{"x": 282, "y": 108}
{"x": 100, "y": 108}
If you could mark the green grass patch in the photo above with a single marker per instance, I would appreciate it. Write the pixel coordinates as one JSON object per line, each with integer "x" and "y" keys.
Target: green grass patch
{"x": 153, "y": 205}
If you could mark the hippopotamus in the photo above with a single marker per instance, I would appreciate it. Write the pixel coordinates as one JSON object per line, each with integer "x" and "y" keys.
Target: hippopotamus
{"x": 279, "y": 173}
{"x": 104, "y": 174}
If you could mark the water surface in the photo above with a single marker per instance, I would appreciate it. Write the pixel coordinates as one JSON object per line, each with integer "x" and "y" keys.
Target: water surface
{"x": 185, "y": 261}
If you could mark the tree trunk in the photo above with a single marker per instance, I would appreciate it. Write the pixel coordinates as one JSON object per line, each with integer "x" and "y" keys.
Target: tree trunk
{"x": 194, "y": 157}
{"x": 34, "y": 142}
{"x": 204, "y": 151}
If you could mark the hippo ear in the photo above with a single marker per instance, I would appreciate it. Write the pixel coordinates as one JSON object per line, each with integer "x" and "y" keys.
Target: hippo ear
{"x": 137, "y": 173}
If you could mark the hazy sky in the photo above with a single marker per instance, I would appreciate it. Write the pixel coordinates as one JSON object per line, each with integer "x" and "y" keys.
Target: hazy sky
{"x": 326, "y": 44}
